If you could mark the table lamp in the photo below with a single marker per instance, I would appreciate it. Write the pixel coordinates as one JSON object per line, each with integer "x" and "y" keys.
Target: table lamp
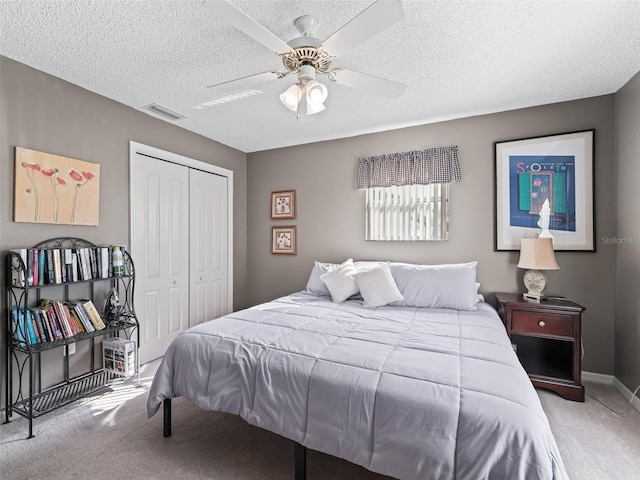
{"x": 536, "y": 254}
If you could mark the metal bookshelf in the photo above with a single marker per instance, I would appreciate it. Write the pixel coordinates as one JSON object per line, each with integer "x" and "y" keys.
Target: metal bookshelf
{"x": 25, "y": 394}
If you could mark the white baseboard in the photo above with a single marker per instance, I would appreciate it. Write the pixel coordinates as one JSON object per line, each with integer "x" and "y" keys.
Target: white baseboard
{"x": 598, "y": 378}
{"x": 617, "y": 384}
{"x": 627, "y": 394}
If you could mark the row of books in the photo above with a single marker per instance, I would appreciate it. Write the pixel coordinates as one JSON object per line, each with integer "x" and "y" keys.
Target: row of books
{"x": 55, "y": 320}
{"x": 62, "y": 265}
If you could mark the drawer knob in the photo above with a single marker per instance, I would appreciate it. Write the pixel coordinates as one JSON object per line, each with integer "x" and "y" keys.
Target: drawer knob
{"x": 541, "y": 323}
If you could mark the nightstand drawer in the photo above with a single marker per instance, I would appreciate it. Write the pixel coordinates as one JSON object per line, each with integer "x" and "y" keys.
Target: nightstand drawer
{"x": 542, "y": 323}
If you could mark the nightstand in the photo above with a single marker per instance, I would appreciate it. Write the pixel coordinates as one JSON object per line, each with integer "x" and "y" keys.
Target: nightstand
{"x": 547, "y": 339}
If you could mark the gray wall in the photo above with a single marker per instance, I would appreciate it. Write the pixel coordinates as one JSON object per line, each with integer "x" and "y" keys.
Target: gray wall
{"x": 330, "y": 216}
{"x": 627, "y": 306}
{"x": 44, "y": 113}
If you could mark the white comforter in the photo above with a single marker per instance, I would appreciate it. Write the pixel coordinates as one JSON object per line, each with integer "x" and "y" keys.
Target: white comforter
{"x": 413, "y": 393}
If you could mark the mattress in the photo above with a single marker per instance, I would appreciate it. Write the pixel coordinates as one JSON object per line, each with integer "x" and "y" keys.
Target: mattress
{"x": 413, "y": 393}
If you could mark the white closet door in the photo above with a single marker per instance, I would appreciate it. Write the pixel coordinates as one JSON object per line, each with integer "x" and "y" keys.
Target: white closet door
{"x": 160, "y": 240}
{"x": 209, "y": 264}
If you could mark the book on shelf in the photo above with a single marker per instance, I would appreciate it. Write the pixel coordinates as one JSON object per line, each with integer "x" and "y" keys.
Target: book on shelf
{"x": 93, "y": 314}
{"x": 67, "y": 316}
{"x": 54, "y": 323}
{"x": 41, "y": 314}
{"x": 105, "y": 256}
{"x": 81, "y": 270}
{"x": 49, "y": 267}
{"x": 63, "y": 267}
{"x": 54, "y": 315}
{"x": 86, "y": 263}
{"x": 97, "y": 323}
{"x": 33, "y": 259}
{"x": 74, "y": 265}
{"x": 75, "y": 308}
{"x": 73, "y": 319}
{"x": 91, "y": 254}
{"x": 67, "y": 327}
{"x": 18, "y": 326}
{"x": 28, "y": 320}
{"x": 29, "y": 266}
{"x": 41, "y": 265}
{"x": 51, "y": 333}
{"x": 67, "y": 264}
{"x": 57, "y": 274}
{"x": 97, "y": 253}
{"x": 38, "y": 326}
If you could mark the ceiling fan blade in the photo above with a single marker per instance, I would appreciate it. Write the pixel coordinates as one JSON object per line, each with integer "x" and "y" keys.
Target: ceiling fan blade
{"x": 240, "y": 84}
{"x": 374, "y": 19}
{"x": 368, "y": 83}
{"x": 247, "y": 25}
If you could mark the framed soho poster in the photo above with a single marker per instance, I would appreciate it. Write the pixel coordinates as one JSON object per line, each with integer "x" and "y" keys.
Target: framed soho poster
{"x": 556, "y": 169}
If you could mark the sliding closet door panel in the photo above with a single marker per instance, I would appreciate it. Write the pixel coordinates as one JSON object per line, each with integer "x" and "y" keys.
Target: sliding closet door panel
{"x": 160, "y": 228}
{"x": 209, "y": 246}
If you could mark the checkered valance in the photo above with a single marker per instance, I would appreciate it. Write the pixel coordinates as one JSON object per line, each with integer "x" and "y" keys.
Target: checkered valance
{"x": 420, "y": 167}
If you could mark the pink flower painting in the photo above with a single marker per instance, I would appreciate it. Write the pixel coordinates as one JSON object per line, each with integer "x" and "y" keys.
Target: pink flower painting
{"x": 30, "y": 168}
{"x": 54, "y": 189}
{"x": 80, "y": 179}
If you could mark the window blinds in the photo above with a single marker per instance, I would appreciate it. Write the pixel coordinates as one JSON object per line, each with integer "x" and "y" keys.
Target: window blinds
{"x": 407, "y": 213}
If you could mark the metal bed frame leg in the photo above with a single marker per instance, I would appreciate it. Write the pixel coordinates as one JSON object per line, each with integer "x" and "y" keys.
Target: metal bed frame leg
{"x": 166, "y": 403}
{"x": 300, "y": 451}
{"x": 301, "y": 462}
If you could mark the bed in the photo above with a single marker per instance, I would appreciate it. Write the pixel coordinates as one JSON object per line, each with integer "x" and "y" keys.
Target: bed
{"x": 413, "y": 392}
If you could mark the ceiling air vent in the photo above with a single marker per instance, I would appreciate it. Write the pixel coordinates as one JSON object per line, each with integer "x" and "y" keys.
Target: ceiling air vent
{"x": 163, "y": 112}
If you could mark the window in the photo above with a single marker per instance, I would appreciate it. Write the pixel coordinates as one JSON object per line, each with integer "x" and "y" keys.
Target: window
{"x": 407, "y": 194}
{"x": 408, "y": 212}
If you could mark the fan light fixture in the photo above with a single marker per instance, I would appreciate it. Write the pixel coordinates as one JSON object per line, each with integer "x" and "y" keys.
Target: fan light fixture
{"x": 307, "y": 56}
{"x": 315, "y": 94}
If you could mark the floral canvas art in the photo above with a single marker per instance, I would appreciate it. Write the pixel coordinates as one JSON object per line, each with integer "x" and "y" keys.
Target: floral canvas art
{"x": 54, "y": 189}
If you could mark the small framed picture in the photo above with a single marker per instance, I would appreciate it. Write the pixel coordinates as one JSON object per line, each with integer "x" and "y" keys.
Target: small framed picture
{"x": 283, "y": 205}
{"x": 283, "y": 240}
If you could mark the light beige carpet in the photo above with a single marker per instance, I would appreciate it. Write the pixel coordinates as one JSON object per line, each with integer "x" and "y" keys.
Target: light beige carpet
{"x": 108, "y": 437}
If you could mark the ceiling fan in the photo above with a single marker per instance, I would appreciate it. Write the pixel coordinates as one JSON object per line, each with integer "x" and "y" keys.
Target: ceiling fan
{"x": 308, "y": 57}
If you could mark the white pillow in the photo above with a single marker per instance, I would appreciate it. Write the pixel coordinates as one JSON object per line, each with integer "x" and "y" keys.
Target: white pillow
{"x": 315, "y": 286}
{"x": 437, "y": 286}
{"x": 340, "y": 281}
{"x": 377, "y": 287}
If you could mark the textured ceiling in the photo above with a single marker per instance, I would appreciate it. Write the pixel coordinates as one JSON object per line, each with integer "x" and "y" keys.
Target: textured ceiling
{"x": 458, "y": 58}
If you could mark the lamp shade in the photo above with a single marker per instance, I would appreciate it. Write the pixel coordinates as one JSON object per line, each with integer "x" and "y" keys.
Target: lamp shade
{"x": 291, "y": 97}
{"x": 316, "y": 92}
{"x": 537, "y": 254}
{"x": 316, "y": 95}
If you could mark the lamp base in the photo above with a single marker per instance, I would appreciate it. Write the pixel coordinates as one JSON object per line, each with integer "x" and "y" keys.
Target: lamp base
{"x": 535, "y": 281}
{"x": 533, "y": 297}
